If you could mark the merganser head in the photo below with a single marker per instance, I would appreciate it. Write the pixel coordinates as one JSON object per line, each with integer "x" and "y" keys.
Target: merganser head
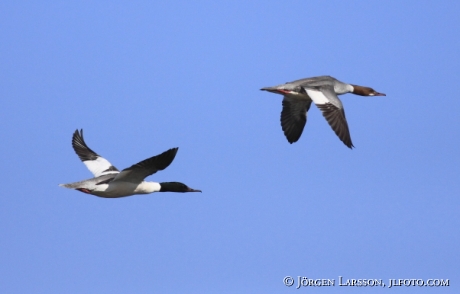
{"x": 365, "y": 91}
{"x": 176, "y": 187}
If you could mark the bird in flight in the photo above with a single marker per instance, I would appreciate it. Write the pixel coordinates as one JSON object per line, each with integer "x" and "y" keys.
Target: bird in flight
{"x": 109, "y": 182}
{"x": 323, "y": 91}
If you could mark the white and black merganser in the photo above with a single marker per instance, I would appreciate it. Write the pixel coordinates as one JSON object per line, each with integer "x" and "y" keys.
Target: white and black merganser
{"x": 109, "y": 182}
{"x": 323, "y": 91}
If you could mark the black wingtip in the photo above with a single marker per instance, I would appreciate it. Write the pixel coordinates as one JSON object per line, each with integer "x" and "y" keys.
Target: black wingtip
{"x": 75, "y": 134}
{"x": 292, "y": 133}
{"x": 349, "y": 145}
{"x": 79, "y": 145}
{"x": 166, "y": 158}
{"x": 78, "y": 135}
{"x": 175, "y": 149}
{"x": 291, "y": 141}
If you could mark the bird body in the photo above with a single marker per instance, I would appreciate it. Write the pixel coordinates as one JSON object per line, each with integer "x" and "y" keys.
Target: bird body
{"x": 109, "y": 188}
{"x": 323, "y": 91}
{"x": 109, "y": 182}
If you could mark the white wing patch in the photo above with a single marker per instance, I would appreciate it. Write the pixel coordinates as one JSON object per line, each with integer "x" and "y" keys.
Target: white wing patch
{"x": 99, "y": 167}
{"x": 317, "y": 96}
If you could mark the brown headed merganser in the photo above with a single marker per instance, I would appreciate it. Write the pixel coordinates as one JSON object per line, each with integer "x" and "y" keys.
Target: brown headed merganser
{"x": 323, "y": 91}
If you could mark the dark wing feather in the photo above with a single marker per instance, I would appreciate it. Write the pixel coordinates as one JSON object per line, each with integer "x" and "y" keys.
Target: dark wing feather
{"x": 93, "y": 161}
{"x": 294, "y": 117}
{"x": 80, "y": 147}
{"x": 336, "y": 118}
{"x": 139, "y": 171}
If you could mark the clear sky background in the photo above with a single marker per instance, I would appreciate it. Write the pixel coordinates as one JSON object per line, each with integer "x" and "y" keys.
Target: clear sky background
{"x": 141, "y": 77}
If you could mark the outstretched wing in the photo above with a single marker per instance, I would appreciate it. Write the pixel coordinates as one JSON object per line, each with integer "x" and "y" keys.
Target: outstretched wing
{"x": 294, "y": 117}
{"x": 332, "y": 109}
{"x": 95, "y": 163}
{"x": 139, "y": 171}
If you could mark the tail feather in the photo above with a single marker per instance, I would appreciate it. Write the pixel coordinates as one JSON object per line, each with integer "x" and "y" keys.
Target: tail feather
{"x": 90, "y": 183}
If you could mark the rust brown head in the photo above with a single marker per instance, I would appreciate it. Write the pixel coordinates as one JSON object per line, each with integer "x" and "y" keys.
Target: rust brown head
{"x": 365, "y": 91}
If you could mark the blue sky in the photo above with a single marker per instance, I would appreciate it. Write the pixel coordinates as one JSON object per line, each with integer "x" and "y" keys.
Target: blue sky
{"x": 141, "y": 77}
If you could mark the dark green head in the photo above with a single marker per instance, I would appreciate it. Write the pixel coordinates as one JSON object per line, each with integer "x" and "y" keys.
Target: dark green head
{"x": 176, "y": 187}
